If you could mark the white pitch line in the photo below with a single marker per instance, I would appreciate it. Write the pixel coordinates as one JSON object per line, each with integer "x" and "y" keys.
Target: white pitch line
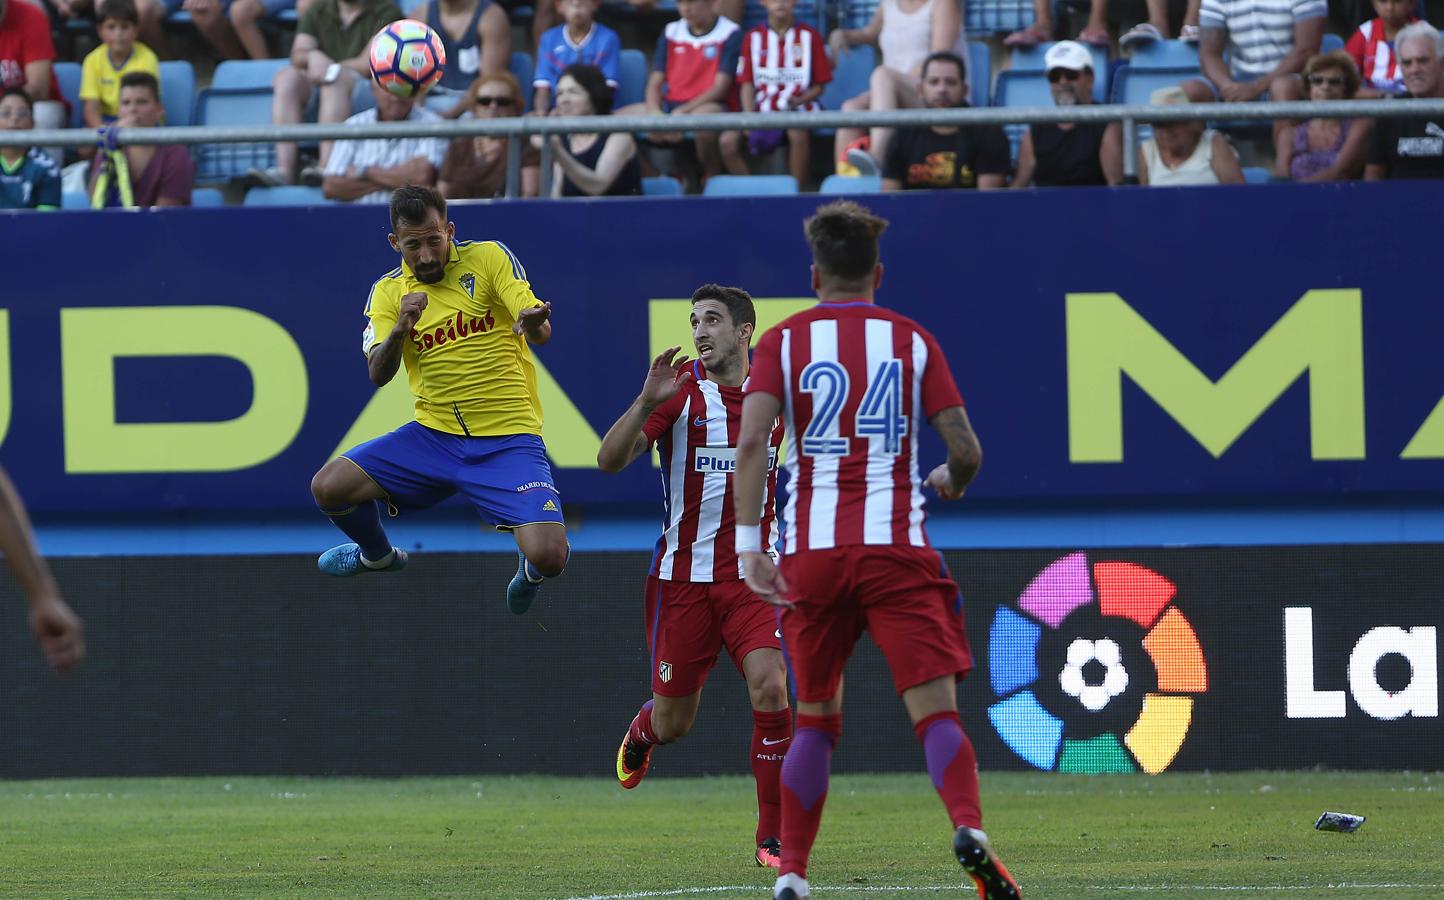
{"x": 726, "y": 888}
{"x": 1254, "y": 888}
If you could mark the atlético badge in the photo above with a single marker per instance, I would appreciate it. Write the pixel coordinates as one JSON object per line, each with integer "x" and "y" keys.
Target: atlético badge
{"x": 468, "y": 281}
{"x": 664, "y": 672}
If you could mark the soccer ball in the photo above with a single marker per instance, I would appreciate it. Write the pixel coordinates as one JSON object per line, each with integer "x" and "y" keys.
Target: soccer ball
{"x": 407, "y": 58}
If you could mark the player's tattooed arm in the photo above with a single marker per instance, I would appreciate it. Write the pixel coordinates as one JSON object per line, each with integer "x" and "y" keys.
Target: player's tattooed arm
{"x": 625, "y": 440}
{"x": 965, "y": 454}
{"x": 384, "y": 360}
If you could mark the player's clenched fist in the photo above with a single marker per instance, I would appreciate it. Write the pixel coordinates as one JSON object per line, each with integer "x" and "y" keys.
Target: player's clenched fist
{"x": 412, "y": 305}
{"x": 60, "y": 632}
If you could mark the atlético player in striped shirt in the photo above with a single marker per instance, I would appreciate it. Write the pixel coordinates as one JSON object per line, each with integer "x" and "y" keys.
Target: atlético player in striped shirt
{"x": 854, "y": 383}
{"x": 696, "y": 602}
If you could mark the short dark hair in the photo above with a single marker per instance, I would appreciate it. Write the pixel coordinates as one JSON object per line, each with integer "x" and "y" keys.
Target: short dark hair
{"x": 412, "y": 203}
{"x": 124, "y": 10}
{"x": 591, "y": 80}
{"x": 843, "y": 236}
{"x": 738, "y": 302}
{"x": 19, "y": 92}
{"x": 946, "y": 56}
{"x": 141, "y": 80}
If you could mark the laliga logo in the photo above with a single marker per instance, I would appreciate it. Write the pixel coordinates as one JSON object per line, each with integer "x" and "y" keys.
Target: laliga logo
{"x": 1094, "y": 668}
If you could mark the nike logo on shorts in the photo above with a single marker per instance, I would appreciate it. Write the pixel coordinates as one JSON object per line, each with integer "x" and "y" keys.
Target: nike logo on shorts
{"x": 768, "y": 743}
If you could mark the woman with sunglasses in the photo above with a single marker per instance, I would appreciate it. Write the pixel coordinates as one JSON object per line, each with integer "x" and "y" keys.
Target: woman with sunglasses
{"x": 1325, "y": 149}
{"x": 590, "y": 165}
{"x": 475, "y": 167}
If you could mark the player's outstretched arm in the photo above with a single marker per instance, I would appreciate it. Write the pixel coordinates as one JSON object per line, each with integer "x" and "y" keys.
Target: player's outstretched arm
{"x": 59, "y": 631}
{"x": 749, "y": 486}
{"x": 535, "y": 323}
{"x": 965, "y": 454}
{"x": 384, "y": 359}
{"x": 624, "y": 441}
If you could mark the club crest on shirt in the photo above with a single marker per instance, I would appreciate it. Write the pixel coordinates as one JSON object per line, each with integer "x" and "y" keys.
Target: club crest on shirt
{"x": 468, "y": 283}
{"x": 664, "y": 671}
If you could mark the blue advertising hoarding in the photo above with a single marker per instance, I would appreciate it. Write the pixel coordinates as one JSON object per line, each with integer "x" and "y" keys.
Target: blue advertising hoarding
{"x": 1250, "y": 342}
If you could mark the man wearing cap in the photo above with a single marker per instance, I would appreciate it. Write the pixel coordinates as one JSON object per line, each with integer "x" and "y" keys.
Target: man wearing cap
{"x": 974, "y": 156}
{"x": 1070, "y": 154}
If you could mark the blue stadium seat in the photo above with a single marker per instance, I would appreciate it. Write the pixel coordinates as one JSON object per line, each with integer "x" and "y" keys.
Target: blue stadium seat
{"x": 749, "y": 185}
{"x": 1022, "y": 88}
{"x": 286, "y": 195}
{"x": 1332, "y": 42}
{"x": 288, "y": 15}
{"x": 521, "y": 69}
{"x": 1030, "y": 59}
{"x": 850, "y": 184}
{"x": 177, "y": 91}
{"x": 206, "y": 197}
{"x": 247, "y": 73}
{"x": 1256, "y": 175}
{"x": 67, "y": 77}
{"x": 984, "y": 17}
{"x": 1133, "y": 86}
{"x": 409, "y": 6}
{"x": 980, "y": 73}
{"x": 1164, "y": 55}
{"x": 632, "y": 79}
{"x": 855, "y": 13}
{"x": 661, "y": 186}
{"x": 850, "y": 76}
{"x": 234, "y": 106}
{"x": 74, "y": 200}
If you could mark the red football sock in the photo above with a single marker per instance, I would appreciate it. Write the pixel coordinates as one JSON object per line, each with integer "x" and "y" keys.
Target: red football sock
{"x": 640, "y": 731}
{"x": 804, "y": 787}
{"x": 953, "y": 766}
{"x": 771, "y": 733}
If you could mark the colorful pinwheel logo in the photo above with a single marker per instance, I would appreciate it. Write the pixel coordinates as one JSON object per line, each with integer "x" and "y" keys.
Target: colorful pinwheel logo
{"x": 1072, "y": 644}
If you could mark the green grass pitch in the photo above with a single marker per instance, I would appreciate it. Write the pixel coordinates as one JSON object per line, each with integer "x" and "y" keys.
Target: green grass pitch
{"x": 1176, "y": 835}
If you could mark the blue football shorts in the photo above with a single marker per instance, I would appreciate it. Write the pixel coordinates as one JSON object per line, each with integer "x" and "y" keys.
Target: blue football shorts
{"x": 508, "y": 479}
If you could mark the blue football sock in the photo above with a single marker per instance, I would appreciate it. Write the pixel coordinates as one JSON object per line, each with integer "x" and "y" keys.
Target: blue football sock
{"x": 362, "y": 524}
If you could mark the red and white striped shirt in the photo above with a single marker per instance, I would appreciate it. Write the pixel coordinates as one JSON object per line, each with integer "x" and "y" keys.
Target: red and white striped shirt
{"x": 856, "y": 383}
{"x": 1375, "y": 57}
{"x": 696, "y": 434}
{"x": 780, "y": 66}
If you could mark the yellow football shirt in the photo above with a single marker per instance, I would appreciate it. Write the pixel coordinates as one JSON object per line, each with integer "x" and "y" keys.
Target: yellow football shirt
{"x": 470, "y": 373}
{"x": 100, "y": 80}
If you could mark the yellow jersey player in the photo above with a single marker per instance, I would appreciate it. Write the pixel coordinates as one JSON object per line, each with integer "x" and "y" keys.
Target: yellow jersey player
{"x": 460, "y": 315}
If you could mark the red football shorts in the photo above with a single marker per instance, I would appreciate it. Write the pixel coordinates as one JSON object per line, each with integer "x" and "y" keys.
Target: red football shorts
{"x": 902, "y": 596}
{"x": 688, "y": 624}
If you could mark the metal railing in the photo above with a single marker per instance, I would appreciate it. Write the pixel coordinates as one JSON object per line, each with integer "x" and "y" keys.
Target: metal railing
{"x": 517, "y": 129}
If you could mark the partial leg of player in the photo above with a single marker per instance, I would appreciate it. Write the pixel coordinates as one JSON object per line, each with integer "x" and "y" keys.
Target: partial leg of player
{"x": 345, "y": 494}
{"x": 543, "y": 551}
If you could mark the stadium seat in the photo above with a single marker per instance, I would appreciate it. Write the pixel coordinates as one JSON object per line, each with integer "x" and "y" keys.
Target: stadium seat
{"x": 1163, "y": 55}
{"x": 1030, "y": 59}
{"x": 285, "y": 195}
{"x": 206, "y": 197}
{"x": 74, "y": 200}
{"x": 1330, "y": 43}
{"x": 407, "y": 6}
{"x": 661, "y": 186}
{"x": 235, "y": 106}
{"x": 850, "y": 76}
{"x": 749, "y": 185}
{"x": 1133, "y": 86}
{"x": 247, "y": 73}
{"x": 521, "y": 69}
{"x": 631, "y": 79}
{"x": 1022, "y": 88}
{"x": 980, "y": 73}
{"x": 67, "y": 78}
{"x": 850, "y": 184}
{"x": 855, "y": 13}
{"x": 984, "y": 17}
{"x": 1256, "y": 175}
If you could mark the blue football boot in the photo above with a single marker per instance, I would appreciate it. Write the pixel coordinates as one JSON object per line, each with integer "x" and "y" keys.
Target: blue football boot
{"x": 345, "y": 560}
{"x": 524, "y": 586}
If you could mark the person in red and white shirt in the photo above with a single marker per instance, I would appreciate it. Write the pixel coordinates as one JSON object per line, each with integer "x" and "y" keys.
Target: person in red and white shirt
{"x": 783, "y": 67}
{"x": 1372, "y": 48}
{"x": 854, "y": 384}
{"x": 697, "y": 603}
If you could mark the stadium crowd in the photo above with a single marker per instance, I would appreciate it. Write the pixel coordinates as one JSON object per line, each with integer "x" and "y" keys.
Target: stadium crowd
{"x": 108, "y": 63}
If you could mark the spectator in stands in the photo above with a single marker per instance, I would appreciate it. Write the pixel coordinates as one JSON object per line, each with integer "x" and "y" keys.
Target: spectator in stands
{"x": 731, "y": 9}
{"x": 1325, "y": 149}
{"x": 1413, "y": 148}
{"x": 477, "y": 38}
{"x": 152, "y": 15}
{"x": 1070, "y": 153}
{"x": 1267, "y": 42}
{"x": 27, "y": 58}
{"x": 234, "y": 26}
{"x": 368, "y": 170}
{"x": 475, "y": 167}
{"x": 905, "y": 31}
{"x": 1372, "y": 47}
{"x": 1094, "y": 34}
{"x": 29, "y": 178}
{"x": 579, "y": 39}
{"x": 590, "y": 165}
{"x": 118, "y": 55}
{"x": 783, "y": 68}
{"x": 1156, "y": 28}
{"x": 327, "y": 57}
{"x": 693, "y": 72}
{"x": 1182, "y": 153}
{"x": 140, "y": 174}
{"x": 974, "y": 156}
